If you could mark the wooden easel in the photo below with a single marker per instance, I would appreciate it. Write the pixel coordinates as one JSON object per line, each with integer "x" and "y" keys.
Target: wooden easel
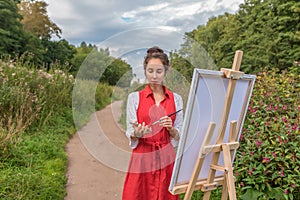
{"x": 227, "y": 149}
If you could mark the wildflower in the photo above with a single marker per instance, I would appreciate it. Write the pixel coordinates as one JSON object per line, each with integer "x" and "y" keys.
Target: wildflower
{"x": 267, "y": 171}
{"x": 276, "y": 107}
{"x": 294, "y": 127}
{"x": 250, "y": 172}
{"x": 251, "y": 153}
{"x": 266, "y": 160}
{"x": 284, "y": 120}
{"x": 242, "y": 184}
{"x": 282, "y": 173}
{"x": 274, "y": 155}
{"x": 236, "y": 173}
{"x": 241, "y": 137}
{"x": 258, "y": 143}
{"x": 293, "y": 185}
{"x": 286, "y": 191}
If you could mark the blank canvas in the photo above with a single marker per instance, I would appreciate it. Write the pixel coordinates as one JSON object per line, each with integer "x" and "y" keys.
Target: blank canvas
{"x": 205, "y": 104}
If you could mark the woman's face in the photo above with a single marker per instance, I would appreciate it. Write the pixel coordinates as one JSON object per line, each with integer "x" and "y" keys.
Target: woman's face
{"x": 155, "y": 72}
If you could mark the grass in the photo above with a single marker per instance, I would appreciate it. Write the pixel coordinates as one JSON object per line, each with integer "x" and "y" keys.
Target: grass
{"x": 35, "y": 167}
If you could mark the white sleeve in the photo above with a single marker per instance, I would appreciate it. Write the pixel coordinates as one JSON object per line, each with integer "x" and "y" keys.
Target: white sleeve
{"x": 131, "y": 111}
{"x": 179, "y": 118}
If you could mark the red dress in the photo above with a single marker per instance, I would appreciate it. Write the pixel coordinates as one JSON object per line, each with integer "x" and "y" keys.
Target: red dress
{"x": 151, "y": 164}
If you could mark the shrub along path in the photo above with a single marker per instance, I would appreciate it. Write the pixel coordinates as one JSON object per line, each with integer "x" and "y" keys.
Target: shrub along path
{"x": 88, "y": 178}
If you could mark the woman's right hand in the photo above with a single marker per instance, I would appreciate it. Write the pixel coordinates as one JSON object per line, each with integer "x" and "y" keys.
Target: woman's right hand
{"x": 140, "y": 129}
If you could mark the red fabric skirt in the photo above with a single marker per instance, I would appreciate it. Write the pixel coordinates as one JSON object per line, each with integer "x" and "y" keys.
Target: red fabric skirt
{"x": 150, "y": 172}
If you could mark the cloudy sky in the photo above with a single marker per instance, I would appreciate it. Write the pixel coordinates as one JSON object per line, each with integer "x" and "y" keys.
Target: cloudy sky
{"x": 133, "y": 25}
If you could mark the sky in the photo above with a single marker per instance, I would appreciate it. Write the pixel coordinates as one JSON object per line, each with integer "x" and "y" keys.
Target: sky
{"x": 129, "y": 27}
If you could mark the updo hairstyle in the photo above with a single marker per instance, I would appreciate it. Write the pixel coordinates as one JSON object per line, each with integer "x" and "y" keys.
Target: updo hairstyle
{"x": 156, "y": 52}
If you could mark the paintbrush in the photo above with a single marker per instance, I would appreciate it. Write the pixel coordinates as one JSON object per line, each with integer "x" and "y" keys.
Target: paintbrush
{"x": 169, "y": 115}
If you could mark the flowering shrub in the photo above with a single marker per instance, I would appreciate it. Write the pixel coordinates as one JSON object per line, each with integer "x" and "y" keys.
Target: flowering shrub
{"x": 267, "y": 163}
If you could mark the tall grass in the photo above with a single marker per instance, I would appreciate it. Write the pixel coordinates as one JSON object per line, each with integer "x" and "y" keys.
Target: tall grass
{"x": 36, "y": 121}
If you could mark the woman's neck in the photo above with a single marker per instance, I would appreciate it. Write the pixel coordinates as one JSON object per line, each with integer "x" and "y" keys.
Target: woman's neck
{"x": 157, "y": 89}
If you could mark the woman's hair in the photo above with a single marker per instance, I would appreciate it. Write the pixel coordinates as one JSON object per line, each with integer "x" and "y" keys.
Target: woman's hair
{"x": 156, "y": 52}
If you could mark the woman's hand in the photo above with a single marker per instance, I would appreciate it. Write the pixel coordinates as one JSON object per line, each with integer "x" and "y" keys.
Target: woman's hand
{"x": 168, "y": 123}
{"x": 140, "y": 129}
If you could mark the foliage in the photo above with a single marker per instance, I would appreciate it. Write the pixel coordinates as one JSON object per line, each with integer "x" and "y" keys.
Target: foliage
{"x": 35, "y": 167}
{"x": 36, "y": 21}
{"x": 81, "y": 53}
{"x": 36, "y": 119}
{"x": 29, "y": 97}
{"x": 11, "y": 30}
{"x": 268, "y": 159}
{"x": 59, "y": 53}
{"x": 100, "y": 66}
{"x": 267, "y": 31}
{"x": 118, "y": 72}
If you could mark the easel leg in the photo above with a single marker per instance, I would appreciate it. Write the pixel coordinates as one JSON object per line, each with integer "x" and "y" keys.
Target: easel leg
{"x": 229, "y": 173}
{"x": 199, "y": 163}
{"x": 225, "y": 189}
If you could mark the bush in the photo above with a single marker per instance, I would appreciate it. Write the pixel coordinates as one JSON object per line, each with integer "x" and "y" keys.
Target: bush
{"x": 36, "y": 121}
{"x": 268, "y": 160}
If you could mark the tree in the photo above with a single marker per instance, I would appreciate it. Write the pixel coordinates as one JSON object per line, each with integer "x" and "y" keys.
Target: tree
{"x": 57, "y": 52}
{"x": 269, "y": 33}
{"x": 11, "y": 30}
{"x": 118, "y": 72}
{"x": 36, "y": 20}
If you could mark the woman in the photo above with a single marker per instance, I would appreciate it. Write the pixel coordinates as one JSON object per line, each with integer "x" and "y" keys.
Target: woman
{"x": 153, "y": 154}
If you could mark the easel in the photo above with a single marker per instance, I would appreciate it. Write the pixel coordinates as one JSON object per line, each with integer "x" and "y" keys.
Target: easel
{"x": 227, "y": 149}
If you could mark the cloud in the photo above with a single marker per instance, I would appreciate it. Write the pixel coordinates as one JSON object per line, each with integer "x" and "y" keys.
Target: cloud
{"x": 94, "y": 21}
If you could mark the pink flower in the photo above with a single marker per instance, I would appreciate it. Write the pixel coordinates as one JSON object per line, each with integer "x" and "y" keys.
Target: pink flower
{"x": 274, "y": 154}
{"x": 294, "y": 127}
{"x": 261, "y": 103}
{"x": 242, "y": 184}
{"x": 284, "y": 107}
{"x": 286, "y": 191}
{"x": 276, "y": 107}
{"x": 293, "y": 185}
{"x": 236, "y": 173}
{"x": 241, "y": 137}
{"x": 258, "y": 143}
{"x": 267, "y": 171}
{"x": 251, "y": 153}
{"x": 250, "y": 171}
{"x": 282, "y": 173}
{"x": 266, "y": 160}
{"x": 284, "y": 120}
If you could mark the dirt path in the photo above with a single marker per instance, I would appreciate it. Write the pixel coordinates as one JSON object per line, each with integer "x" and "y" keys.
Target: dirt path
{"x": 98, "y": 157}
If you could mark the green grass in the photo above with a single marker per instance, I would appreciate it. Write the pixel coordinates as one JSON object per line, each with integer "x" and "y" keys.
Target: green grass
{"x": 35, "y": 167}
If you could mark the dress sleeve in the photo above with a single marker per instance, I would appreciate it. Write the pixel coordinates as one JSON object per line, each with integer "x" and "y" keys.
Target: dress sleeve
{"x": 131, "y": 110}
{"x": 179, "y": 118}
